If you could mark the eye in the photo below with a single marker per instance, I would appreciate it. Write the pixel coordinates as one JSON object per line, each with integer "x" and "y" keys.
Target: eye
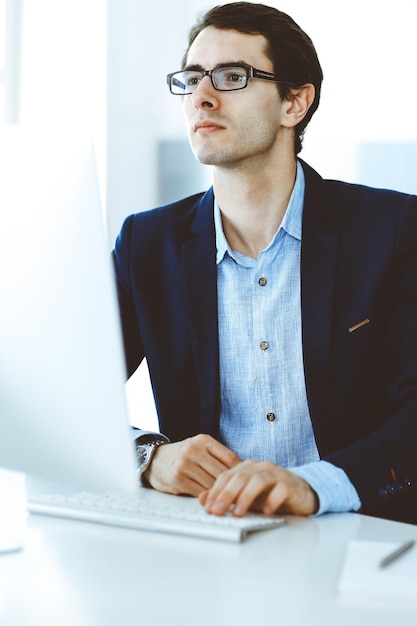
{"x": 192, "y": 80}
{"x": 234, "y": 76}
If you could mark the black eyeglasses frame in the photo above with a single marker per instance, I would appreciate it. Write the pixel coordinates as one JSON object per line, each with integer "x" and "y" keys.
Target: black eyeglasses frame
{"x": 251, "y": 72}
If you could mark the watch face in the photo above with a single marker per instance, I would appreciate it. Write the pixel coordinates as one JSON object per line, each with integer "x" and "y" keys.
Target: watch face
{"x": 142, "y": 455}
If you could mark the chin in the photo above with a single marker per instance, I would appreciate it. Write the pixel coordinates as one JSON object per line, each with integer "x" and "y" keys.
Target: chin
{"x": 205, "y": 159}
{"x": 212, "y": 157}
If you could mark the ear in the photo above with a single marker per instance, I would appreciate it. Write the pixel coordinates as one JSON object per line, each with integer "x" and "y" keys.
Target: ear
{"x": 298, "y": 103}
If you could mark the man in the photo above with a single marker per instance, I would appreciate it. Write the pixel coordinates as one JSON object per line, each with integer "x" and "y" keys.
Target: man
{"x": 277, "y": 311}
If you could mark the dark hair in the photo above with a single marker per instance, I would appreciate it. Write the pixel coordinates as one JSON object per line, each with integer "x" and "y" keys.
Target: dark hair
{"x": 290, "y": 49}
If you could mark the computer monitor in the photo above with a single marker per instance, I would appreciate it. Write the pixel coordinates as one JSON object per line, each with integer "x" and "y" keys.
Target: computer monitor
{"x": 63, "y": 411}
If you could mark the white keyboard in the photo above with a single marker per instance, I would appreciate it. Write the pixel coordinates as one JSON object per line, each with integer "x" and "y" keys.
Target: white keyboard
{"x": 169, "y": 514}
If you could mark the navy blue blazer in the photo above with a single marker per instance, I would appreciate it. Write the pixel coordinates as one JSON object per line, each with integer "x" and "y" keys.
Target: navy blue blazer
{"x": 359, "y": 327}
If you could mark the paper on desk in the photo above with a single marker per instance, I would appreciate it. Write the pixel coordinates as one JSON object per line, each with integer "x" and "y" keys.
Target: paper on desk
{"x": 361, "y": 575}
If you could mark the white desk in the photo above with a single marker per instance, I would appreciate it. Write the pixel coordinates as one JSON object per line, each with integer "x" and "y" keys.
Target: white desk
{"x": 80, "y": 574}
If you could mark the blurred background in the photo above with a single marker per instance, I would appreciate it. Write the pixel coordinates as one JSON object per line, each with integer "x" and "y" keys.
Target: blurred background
{"x": 100, "y": 67}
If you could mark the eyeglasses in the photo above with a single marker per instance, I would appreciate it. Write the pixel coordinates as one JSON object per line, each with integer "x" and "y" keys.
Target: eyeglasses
{"x": 230, "y": 78}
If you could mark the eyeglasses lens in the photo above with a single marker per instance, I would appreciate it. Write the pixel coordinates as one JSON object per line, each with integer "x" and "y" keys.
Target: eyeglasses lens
{"x": 223, "y": 79}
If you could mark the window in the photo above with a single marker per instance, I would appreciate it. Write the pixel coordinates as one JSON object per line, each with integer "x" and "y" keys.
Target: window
{"x": 10, "y": 55}
{"x": 2, "y": 57}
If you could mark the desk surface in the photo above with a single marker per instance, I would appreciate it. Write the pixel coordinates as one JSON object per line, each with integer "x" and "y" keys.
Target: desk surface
{"x": 80, "y": 574}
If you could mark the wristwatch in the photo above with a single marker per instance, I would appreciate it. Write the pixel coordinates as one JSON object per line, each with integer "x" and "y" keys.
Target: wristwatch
{"x": 144, "y": 454}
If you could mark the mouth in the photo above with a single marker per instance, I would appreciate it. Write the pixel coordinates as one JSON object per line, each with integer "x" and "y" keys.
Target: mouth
{"x": 207, "y": 126}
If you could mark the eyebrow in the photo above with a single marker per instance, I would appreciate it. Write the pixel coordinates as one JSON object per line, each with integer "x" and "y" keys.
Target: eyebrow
{"x": 200, "y": 68}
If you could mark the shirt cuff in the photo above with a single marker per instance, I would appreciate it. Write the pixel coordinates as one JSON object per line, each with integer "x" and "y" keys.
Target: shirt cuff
{"x": 335, "y": 492}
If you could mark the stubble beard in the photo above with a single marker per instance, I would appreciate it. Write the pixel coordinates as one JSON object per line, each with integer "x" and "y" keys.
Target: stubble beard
{"x": 230, "y": 157}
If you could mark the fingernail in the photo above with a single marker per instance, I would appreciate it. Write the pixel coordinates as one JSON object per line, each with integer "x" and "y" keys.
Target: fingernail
{"x": 217, "y": 508}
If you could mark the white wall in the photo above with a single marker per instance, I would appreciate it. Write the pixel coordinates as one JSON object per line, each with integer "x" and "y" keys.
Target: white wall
{"x": 64, "y": 69}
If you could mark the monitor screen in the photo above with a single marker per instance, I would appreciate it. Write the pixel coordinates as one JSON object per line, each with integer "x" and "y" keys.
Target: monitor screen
{"x": 62, "y": 398}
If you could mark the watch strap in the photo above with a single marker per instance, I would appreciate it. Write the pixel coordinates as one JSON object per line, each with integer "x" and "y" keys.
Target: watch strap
{"x": 151, "y": 448}
{"x": 147, "y": 436}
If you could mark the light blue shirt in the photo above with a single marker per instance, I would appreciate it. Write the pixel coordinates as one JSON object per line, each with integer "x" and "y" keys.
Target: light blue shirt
{"x": 264, "y": 409}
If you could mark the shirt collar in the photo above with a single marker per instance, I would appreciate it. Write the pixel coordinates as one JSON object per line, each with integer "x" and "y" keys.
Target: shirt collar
{"x": 291, "y": 223}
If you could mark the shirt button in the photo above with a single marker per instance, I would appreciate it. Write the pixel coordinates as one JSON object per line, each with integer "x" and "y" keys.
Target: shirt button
{"x": 262, "y": 281}
{"x": 264, "y": 345}
{"x": 270, "y": 417}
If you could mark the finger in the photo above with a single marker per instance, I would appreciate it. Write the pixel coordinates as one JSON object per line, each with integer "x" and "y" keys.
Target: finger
{"x": 244, "y": 486}
{"x": 208, "y": 458}
{"x": 191, "y": 487}
{"x": 173, "y": 472}
{"x": 209, "y": 455}
{"x": 226, "y": 490}
{"x": 187, "y": 476}
{"x": 292, "y": 495}
{"x": 202, "y": 477}
{"x": 222, "y": 454}
{"x": 275, "y": 499}
{"x": 212, "y": 467}
{"x": 189, "y": 466}
{"x": 182, "y": 485}
{"x": 254, "y": 495}
{"x": 272, "y": 489}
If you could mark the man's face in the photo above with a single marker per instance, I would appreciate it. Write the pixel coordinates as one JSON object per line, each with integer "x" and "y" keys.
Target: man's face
{"x": 227, "y": 128}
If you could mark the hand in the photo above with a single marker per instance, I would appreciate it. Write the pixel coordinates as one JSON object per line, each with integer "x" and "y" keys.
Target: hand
{"x": 190, "y": 466}
{"x": 264, "y": 487}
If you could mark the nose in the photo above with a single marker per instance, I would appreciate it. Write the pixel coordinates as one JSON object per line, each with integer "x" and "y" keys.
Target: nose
{"x": 205, "y": 96}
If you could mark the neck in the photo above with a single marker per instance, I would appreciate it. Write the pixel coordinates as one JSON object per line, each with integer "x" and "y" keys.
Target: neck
{"x": 253, "y": 204}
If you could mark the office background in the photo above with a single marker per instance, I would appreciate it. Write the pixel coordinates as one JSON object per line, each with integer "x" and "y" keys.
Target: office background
{"x": 100, "y": 66}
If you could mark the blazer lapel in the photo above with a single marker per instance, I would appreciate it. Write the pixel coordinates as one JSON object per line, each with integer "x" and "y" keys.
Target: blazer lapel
{"x": 318, "y": 266}
{"x": 200, "y": 282}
